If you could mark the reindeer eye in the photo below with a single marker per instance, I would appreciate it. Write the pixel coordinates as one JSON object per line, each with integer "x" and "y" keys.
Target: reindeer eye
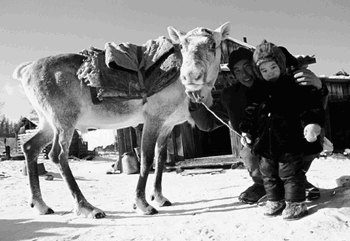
{"x": 181, "y": 47}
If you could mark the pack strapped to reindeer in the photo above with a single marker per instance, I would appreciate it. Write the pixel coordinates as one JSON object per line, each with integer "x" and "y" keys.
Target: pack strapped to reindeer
{"x": 127, "y": 71}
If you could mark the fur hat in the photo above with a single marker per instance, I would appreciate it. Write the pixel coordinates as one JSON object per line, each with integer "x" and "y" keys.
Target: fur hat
{"x": 291, "y": 62}
{"x": 267, "y": 51}
{"x": 238, "y": 55}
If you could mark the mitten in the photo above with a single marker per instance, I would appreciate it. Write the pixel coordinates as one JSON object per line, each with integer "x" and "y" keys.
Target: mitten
{"x": 246, "y": 139}
{"x": 311, "y": 131}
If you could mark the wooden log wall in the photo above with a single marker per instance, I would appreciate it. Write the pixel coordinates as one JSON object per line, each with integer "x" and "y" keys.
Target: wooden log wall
{"x": 337, "y": 128}
{"x": 339, "y": 89}
{"x": 78, "y": 148}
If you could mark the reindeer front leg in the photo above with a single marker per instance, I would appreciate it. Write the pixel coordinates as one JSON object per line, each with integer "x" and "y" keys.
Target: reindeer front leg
{"x": 148, "y": 142}
{"x": 160, "y": 158}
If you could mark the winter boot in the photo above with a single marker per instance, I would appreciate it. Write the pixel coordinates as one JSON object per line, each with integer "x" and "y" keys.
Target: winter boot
{"x": 294, "y": 211}
{"x": 252, "y": 194}
{"x": 274, "y": 208}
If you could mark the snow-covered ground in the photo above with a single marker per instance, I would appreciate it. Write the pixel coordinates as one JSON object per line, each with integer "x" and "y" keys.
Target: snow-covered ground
{"x": 205, "y": 206}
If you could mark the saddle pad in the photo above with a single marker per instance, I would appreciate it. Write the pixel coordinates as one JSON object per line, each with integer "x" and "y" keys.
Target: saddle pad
{"x": 122, "y": 81}
{"x": 125, "y": 54}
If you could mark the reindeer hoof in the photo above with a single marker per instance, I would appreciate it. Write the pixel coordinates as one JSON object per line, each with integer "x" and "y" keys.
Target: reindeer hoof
{"x": 49, "y": 211}
{"x": 147, "y": 211}
{"x": 166, "y": 204}
{"x": 96, "y": 214}
{"x": 99, "y": 215}
{"x": 162, "y": 202}
{"x": 152, "y": 211}
{"x": 41, "y": 209}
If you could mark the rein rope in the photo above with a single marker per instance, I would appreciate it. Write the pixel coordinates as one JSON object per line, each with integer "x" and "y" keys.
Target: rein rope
{"x": 212, "y": 112}
{"x": 217, "y": 117}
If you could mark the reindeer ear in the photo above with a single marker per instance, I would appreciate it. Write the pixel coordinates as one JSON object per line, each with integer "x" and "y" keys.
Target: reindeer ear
{"x": 174, "y": 34}
{"x": 224, "y": 30}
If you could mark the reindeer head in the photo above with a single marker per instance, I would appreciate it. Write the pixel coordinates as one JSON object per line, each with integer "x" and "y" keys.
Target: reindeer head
{"x": 201, "y": 54}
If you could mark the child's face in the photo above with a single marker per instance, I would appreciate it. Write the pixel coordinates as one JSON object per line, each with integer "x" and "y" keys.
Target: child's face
{"x": 270, "y": 71}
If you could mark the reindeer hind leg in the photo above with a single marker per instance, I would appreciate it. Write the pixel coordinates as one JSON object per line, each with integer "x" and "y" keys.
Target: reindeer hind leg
{"x": 31, "y": 150}
{"x": 59, "y": 154}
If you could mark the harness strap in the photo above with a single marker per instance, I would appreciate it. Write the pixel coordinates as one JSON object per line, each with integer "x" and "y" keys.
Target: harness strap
{"x": 141, "y": 75}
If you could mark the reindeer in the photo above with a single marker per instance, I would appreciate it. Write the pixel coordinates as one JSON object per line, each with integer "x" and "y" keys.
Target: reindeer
{"x": 63, "y": 104}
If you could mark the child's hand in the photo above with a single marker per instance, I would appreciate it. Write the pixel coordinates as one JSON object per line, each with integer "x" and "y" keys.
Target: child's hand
{"x": 246, "y": 139}
{"x": 311, "y": 131}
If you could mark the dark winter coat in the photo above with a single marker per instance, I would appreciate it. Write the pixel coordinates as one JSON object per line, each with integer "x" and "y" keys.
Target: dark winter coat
{"x": 277, "y": 119}
{"x": 231, "y": 107}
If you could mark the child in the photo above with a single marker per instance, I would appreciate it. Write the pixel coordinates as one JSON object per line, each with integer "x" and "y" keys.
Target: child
{"x": 282, "y": 126}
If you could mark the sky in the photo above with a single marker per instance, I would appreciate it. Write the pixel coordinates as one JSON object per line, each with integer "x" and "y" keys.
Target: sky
{"x": 30, "y": 30}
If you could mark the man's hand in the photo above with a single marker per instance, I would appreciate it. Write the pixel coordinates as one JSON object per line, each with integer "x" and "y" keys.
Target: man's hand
{"x": 307, "y": 77}
{"x": 311, "y": 131}
{"x": 195, "y": 100}
{"x": 246, "y": 139}
{"x": 194, "y": 96}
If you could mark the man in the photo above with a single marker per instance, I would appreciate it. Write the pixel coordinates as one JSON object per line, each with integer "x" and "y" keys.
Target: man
{"x": 231, "y": 107}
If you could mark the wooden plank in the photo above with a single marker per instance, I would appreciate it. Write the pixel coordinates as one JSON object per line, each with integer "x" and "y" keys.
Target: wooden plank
{"x": 201, "y": 171}
{"x": 211, "y": 161}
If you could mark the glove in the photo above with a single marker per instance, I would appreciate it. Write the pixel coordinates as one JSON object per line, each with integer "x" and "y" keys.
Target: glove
{"x": 311, "y": 131}
{"x": 246, "y": 139}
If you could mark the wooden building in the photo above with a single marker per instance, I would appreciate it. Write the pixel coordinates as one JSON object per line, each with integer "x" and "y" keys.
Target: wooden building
{"x": 337, "y": 122}
{"x": 27, "y": 128}
{"x": 24, "y": 131}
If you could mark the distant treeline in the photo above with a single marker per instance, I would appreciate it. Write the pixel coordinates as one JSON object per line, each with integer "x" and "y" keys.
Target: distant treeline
{"x": 7, "y": 127}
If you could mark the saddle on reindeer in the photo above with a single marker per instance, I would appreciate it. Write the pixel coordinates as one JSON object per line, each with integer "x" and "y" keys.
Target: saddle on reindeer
{"x": 127, "y": 71}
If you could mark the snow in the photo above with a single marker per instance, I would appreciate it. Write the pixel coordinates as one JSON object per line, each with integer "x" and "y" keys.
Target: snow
{"x": 205, "y": 206}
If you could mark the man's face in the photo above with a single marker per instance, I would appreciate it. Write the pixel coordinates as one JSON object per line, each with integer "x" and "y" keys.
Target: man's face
{"x": 270, "y": 71}
{"x": 244, "y": 72}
